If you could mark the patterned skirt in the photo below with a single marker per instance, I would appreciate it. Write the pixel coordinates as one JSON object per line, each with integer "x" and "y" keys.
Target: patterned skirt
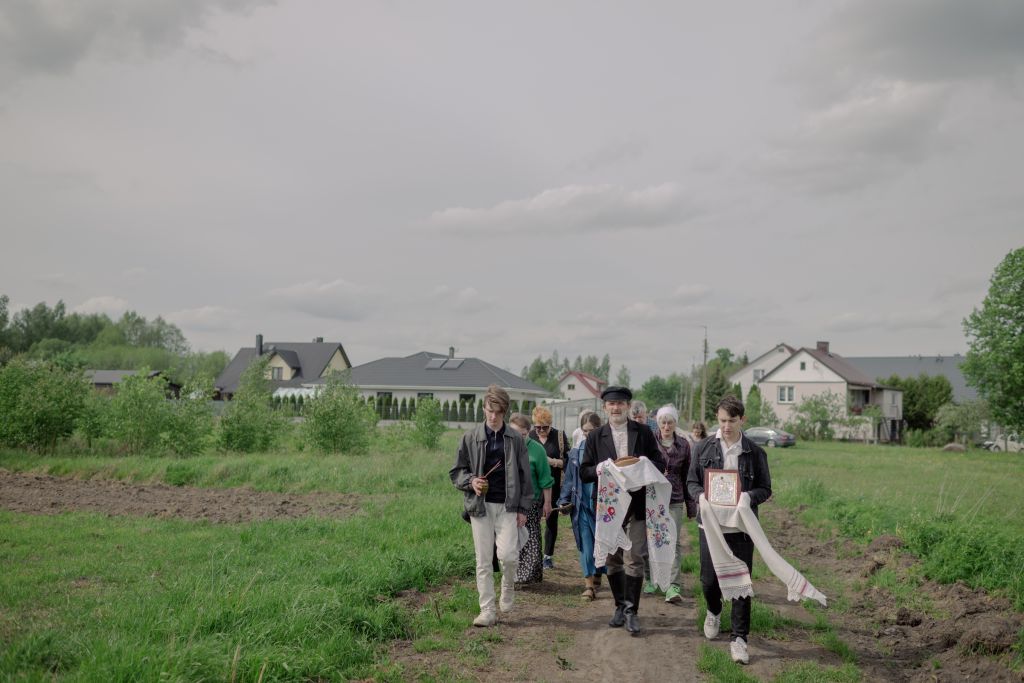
{"x": 531, "y": 569}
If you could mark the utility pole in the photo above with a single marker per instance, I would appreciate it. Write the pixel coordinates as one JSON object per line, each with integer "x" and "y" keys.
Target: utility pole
{"x": 704, "y": 378}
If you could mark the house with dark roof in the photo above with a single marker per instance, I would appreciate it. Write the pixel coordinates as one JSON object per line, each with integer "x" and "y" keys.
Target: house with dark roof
{"x": 882, "y": 367}
{"x": 575, "y": 385}
{"x": 291, "y": 365}
{"x": 106, "y": 381}
{"x": 754, "y": 371}
{"x": 812, "y": 372}
{"x": 438, "y": 376}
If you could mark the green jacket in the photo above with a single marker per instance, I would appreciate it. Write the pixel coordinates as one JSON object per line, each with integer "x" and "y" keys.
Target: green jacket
{"x": 539, "y": 468}
{"x": 469, "y": 463}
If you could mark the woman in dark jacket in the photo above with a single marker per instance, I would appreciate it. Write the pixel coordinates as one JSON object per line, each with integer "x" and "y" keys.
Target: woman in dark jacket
{"x": 557, "y": 446}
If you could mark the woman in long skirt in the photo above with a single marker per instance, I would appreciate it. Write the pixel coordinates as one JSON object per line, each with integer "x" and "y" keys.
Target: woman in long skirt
{"x": 530, "y": 569}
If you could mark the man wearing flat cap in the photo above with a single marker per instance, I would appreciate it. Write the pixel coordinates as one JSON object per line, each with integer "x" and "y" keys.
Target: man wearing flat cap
{"x": 619, "y": 438}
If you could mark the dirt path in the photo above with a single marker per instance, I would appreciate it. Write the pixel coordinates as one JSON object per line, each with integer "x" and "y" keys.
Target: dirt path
{"x": 554, "y": 636}
{"x": 931, "y": 633}
{"x": 44, "y": 494}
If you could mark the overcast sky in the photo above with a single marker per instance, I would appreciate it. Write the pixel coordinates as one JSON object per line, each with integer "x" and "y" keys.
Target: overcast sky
{"x": 513, "y": 178}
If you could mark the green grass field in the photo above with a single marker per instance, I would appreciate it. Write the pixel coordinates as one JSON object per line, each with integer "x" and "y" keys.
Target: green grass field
{"x": 92, "y": 598}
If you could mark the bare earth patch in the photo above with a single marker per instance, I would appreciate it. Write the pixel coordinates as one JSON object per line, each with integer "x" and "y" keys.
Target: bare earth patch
{"x": 964, "y": 635}
{"x": 45, "y": 494}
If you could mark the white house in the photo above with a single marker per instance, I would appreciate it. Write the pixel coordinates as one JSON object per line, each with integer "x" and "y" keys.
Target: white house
{"x": 575, "y": 385}
{"x": 754, "y": 371}
{"x": 438, "y": 376}
{"x": 812, "y": 372}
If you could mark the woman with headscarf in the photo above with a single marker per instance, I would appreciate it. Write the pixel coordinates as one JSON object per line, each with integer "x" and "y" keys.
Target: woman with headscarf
{"x": 580, "y": 496}
{"x": 557, "y": 446}
{"x": 530, "y": 569}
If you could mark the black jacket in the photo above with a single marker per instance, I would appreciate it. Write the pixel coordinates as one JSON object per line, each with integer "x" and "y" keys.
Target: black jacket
{"x": 755, "y": 479}
{"x": 601, "y": 447}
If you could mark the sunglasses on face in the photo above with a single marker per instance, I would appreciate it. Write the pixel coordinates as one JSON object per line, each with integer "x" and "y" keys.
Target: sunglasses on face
{"x": 542, "y": 428}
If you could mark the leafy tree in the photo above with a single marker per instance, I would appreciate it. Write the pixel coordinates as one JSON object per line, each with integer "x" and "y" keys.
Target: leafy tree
{"x": 92, "y": 422}
{"x": 429, "y": 423}
{"x": 140, "y": 414}
{"x": 545, "y": 372}
{"x": 337, "y": 420}
{"x": 592, "y": 366}
{"x": 995, "y": 341}
{"x": 462, "y": 411}
{"x": 759, "y": 412}
{"x": 963, "y": 422}
{"x": 249, "y": 424}
{"x": 39, "y": 404}
{"x": 922, "y": 397}
{"x": 190, "y": 419}
{"x": 816, "y": 417}
{"x": 622, "y": 377}
{"x": 658, "y": 391}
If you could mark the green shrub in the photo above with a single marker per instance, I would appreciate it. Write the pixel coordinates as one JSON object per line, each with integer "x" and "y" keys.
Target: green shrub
{"x": 39, "y": 403}
{"x": 190, "y": 419}
{"x": 139, "y": 412}
{"x": 337, "y": 420}
{"x": 92, "y": 422}
{"x": 429, "y": 423}
{"x": 249, "y": 424}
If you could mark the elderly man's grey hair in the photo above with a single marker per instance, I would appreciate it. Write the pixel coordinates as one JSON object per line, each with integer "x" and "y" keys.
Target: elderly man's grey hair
{"x": 637, "y": 408}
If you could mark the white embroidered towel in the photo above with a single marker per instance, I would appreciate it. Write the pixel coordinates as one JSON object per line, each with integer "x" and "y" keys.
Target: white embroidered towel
{"x": 733, "y": 577}
{"x": 613, "y": 486}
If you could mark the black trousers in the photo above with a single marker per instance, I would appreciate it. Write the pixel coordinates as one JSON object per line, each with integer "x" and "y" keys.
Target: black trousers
{"x": 551, "y": 524}
{"x": 743, "y": 548}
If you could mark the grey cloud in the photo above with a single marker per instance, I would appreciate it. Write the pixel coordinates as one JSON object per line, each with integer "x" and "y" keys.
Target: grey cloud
{"x": 918, "y": 40}
{"x": 205, "y": 319}
{"x": 111, "y": 305}
{"x": 335, "y": 300}
{"x": 611, "y": 154}
{"x": 574, "y": 208}
{"x": 52, "y": 37}
{"x": 852, "y": 321}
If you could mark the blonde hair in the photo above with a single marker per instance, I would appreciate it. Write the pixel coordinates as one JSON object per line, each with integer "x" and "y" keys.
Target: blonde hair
{"x": 520, "y": 420}
{"x": 541, "y": 416}
{"x": 497, "y": 399}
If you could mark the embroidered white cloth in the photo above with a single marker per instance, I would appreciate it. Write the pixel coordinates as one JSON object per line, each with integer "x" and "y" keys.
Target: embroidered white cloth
{"x": 613, "y": 486}
{"x": 733, "y": 576}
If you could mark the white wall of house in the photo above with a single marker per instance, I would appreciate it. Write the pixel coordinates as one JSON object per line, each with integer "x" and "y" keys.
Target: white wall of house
{"x": 891, "y": 402}
{"x": 573, "y": 389}
{"x": 794, "y": 392}
{"x": 440, "y": 394}
{"x": 747, "y": 376}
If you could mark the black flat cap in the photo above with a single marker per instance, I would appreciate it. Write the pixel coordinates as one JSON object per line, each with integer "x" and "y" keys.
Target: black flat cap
{"x": 617, "y": 394}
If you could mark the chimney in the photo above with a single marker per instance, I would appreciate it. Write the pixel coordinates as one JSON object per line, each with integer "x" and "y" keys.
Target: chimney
{"x": 318, "y": 340}
{"x": 451, "y": 352}
{"x": 259, "y": 344}
{"x": 823, "y": 346}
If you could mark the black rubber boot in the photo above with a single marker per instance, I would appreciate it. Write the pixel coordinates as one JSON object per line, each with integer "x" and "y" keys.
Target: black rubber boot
{"x": 634, "y": 587}
{"x": 617, "y": 582}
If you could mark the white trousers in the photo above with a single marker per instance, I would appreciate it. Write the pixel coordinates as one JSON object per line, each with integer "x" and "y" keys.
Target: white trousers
{"x": 497, "y": 527}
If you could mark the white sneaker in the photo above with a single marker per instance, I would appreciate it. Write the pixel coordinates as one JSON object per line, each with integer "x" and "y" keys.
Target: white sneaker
{"x": 739, "y": 651}
{"x": 712, "y": 622}
{"x": 486, "y": 619}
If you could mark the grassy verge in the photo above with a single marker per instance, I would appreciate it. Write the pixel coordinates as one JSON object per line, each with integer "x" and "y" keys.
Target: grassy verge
{"x": 959, "y": 513}
{"x": 87, "y": 597}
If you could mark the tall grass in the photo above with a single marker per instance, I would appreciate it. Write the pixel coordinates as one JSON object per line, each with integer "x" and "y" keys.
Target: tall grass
{"x": 961, "y": 514}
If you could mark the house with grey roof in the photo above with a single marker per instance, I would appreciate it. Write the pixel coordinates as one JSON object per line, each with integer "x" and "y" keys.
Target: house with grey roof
{"x": 812, "y": 372}
{"x": 438, "y": 376}
{"x": 291, "y": 365}
{"x": 754, "y": 371}
{"x": 106, "y": 381}
{"x": 882, "y": 367}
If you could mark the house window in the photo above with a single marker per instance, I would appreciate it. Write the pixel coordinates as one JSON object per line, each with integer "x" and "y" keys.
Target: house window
{"x": 571, "y": 387}
{"x": 803, "y": 365}
{"x": 892, "y": 400}
{"x": 758, "y": 375}
{"x": 276, "y": 373}
{"x": 383, "y": 394}
{"x": 467, "y": 397}
{"x": 786, "y": 394}
{"x": 424, "y": 394}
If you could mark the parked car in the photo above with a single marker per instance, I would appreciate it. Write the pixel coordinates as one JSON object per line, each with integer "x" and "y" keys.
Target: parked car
{"x": 770, "y": 437}
{"x": 1010, "y": 443}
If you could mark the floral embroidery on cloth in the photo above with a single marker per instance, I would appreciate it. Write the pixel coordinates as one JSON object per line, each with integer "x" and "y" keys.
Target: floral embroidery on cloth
{"x": 613, "y": 498}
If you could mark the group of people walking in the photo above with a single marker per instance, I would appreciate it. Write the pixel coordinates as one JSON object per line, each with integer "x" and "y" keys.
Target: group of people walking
{"x": 510, "y": 478}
